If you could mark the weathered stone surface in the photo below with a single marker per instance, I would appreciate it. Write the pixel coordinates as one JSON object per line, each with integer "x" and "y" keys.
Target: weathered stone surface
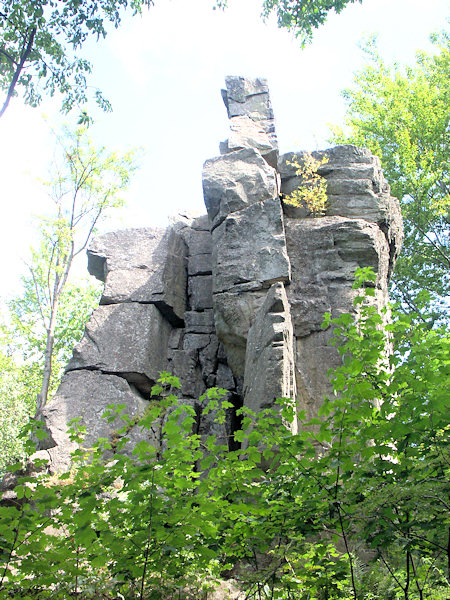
{"x": 199, "y": 322}
{"x": 234, "y": 313}
{"x": 185, "y": 366}
{"x": 325, "y": 253}
{"x": 87, "y": 394}
{"x": 248, "y": 133}
{"x": 251, "y": 100}
{"x": 176, "y": 339}
{"x": 240, "y": 88}
{"x": 251, "y": 117}
{"x": 250, "y": 248}
{"x": 208, "y": 357}
{"x": 356, "y": 188}
{"x": 200, "y": 292}
{"x": 233, "y": 181}
{"x": 120, "y": 338}
{"x": 195, "y": 341}
{"x": 198, "y": 241}
{"x": 199, "y": 244}
{"x": 269, "y": 361}
{"x": 200, "y": 264}
{"x": 339, "y": 156}
{"x": 224, "y": 378}
{"x": 314, "y": 357}
{"x": 142, "y": 265}
{"x": 201, "y": 223}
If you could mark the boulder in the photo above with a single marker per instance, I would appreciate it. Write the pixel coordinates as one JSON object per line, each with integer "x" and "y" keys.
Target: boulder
{"x": 142, "y": 265}
{"x": 120, "y": 339}
{"x": 356, "y": 188}
{"x": 234, "y": 313}
{"x": 246, "y": 132}
{"x": 236, "y": 180}
{"x": 244, "y": 96}
{"x": 250, "y": 248}
{"x": 87, "y": 395}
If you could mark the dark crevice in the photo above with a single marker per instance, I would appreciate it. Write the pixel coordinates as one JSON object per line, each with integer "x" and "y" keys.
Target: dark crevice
{"x": 198, "y": 418}
{"x": 166, "y": 311}
{"x": 234, "y": 421}
{"x": 385, "y": 228}
{"x": 96, "y": 266}
{"x": 140, "y": 382}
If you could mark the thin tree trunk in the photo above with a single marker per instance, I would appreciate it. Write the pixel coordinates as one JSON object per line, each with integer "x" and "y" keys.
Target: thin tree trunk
{"x": 48, "y": 356}
{"x": 58, "y": 289}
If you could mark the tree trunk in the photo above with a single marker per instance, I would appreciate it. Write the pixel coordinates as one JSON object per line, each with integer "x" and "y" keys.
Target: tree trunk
{"x": 48, "y": 356}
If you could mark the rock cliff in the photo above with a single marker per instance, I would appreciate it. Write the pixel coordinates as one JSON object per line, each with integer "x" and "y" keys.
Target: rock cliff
{"x": 234, "y": 298}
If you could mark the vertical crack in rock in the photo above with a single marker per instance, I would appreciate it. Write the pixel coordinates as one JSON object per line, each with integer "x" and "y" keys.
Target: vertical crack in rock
{"x": 235, "y": 298}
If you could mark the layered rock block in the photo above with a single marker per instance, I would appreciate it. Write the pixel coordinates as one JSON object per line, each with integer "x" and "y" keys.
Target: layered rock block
{"x": 235, "y": 298}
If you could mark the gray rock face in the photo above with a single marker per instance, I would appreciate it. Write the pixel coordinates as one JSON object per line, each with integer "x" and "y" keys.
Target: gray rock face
{"x": 234, "y": 181}
{"x": 234, "y": 313}
{"x": 120, "y": 339}
{"x": 235, "y": 298}
{"x": 142, "y": 265}
{"x": 251, "y": 117}
{"x": 250, "y": 248}
{"x": 269, "y": 362}
{"x": 87, "y": 394}
{"x": 325, "y": 252}
{"x": 356, "y": 188}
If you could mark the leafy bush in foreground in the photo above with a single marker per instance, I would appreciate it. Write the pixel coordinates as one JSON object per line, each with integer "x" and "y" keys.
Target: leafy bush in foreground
{"x": 352, "y": 507}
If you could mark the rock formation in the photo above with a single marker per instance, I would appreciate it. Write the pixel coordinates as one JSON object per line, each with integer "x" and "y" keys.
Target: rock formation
{"x": 235, "y": 298}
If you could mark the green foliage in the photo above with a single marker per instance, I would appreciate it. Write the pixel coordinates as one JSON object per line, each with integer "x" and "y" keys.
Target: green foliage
{"x": 312, "y": 192}
{"x": 402, "y": 115}
{"x": 27, "y": 332}
{"x": 300, "y": 16}
{"x": 355, "y": 506}
{"x": 39, "y": 43}
{"x": 13, "y": 412}
{"x": 23, "y": 342}
{"x": 303, "y": 16}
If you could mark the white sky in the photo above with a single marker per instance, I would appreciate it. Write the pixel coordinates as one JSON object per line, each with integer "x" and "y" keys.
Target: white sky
{"x": 163, "y": 73}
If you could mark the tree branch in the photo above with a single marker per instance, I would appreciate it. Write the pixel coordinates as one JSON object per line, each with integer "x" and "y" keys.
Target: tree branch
{"x": 8, "y": 56}
{"x": 23, "y": 58}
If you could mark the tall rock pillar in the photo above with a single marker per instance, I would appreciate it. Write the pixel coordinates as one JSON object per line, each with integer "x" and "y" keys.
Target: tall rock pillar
{"x": 277, "y": 270}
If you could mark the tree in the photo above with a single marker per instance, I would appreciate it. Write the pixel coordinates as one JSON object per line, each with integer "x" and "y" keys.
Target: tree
{"x": 44, "y": 322}
{"x": 403, "y": 117}
{"x": 84, "y": 188}
{"x": 303, "y": 16}
{"x": 300, "y": 16}
{"x": 22, "y": 346}
{"x": 39, "y": 41}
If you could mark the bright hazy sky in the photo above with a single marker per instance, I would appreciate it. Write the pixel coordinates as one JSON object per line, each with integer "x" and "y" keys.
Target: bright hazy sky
{"x": 163, "y": 74}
